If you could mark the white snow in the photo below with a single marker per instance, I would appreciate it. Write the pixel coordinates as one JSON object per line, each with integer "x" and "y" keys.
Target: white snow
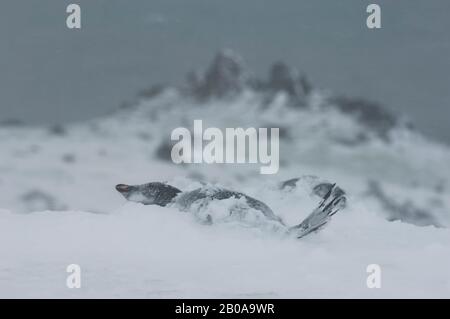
{"x": 153, "y": 252}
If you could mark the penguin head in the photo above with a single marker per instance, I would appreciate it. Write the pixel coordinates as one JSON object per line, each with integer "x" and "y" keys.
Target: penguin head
{"x": 126, "y": 190}
{"x": 149, "y": 194}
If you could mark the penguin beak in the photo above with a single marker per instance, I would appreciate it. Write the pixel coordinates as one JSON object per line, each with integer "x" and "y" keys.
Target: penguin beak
{"x": 122, "y": 188}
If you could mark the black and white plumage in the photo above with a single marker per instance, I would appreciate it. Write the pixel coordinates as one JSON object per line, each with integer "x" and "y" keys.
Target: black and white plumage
{"x": 162, "y": 194}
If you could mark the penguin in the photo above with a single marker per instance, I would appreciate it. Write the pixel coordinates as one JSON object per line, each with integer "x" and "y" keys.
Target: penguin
{"x": 165, "y": 195}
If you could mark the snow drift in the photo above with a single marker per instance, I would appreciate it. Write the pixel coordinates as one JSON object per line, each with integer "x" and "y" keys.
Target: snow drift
{"x": 152, "y": 252}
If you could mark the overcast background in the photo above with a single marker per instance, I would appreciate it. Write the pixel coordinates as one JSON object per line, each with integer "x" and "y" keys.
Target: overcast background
{"x": 50, "y": 74}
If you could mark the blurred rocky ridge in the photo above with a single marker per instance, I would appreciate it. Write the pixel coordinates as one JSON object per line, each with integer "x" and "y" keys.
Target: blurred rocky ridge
{"x": 227, "y": 77}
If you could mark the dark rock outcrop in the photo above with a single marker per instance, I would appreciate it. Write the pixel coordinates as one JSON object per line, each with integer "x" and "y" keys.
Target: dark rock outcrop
{"x": 225, "y": 77}
{"x": 370, "y": 114}
{"x": 283, "y": 79}
{"x": 406, "y": 212}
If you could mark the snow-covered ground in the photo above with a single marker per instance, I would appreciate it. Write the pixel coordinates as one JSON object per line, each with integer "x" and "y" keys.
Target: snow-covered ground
{"x": 59, "y": 206}
{"x": 153, "y": 252}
